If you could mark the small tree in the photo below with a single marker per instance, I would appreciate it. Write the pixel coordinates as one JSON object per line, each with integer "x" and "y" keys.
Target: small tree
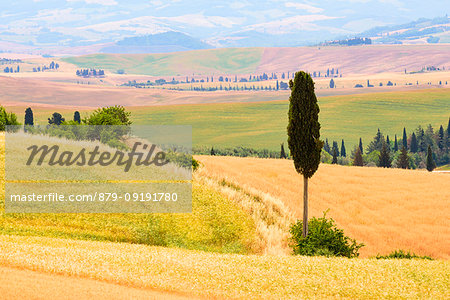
{"x": 29, "y": 119}
{"x": 56, "y": 119}
{"x": 326, "y": 146}
{"x": 343, "y": 151}
{"x": 405, "y": 139}
{"x": 403, "y": 159}
{"x": 304, "y": 133}
{"x": 76, "y": 117}
{"x": 413, "y": 147}
{"x": 282, "y": 154}
{"x": 335, "y": 155}
{"x": 332, "y": 83}
{"x": 395, "y": 144}
{"x": 212, "y": 151}
{"x": 384, "y": 157}
{"x": 431, "y": 165}
{"x": 358, "y": 159}
{"x": 360, "y": 145}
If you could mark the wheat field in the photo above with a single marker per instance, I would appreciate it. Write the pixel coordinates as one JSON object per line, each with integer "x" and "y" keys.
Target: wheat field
{"x": 215, "y": 275}
{"x": 386, "y": 209}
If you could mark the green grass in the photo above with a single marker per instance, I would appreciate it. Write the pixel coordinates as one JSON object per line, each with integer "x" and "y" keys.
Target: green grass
{"x": 230, "y": 275}
{"x": 263, "y": 125}
{"x": 443, "y": 168}
{"x": 225, "y": 61}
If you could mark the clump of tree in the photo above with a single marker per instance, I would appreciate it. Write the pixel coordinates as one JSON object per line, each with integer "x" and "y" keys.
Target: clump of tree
{"x": 7, "y": 119}
{"x": 324, "y": 239}
{"x": 86, "y": 73}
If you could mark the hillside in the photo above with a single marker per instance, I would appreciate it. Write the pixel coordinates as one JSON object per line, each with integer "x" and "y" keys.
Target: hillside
{"x": 369, "y": 59}
{"x": 386, "y": 209}
{"x": 421, "y": 31}
{"x": 169, "y": 41}
{"x": 243, "y": 122}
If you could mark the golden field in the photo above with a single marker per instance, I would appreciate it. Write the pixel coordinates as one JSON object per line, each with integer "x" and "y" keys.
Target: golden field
{"x": 386, "y": 209}
{"x": 214, "y": 275}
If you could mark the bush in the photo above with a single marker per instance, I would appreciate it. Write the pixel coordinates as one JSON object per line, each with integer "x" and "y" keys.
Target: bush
{"x": 400, "y": 254}
{"x": 323, "y": 239}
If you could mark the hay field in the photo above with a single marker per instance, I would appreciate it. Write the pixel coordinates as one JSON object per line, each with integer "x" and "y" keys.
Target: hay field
{"x": 386, "y": 209}
{"x": 226, "y": 275}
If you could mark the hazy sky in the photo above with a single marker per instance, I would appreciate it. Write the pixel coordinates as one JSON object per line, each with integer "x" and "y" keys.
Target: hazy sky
{"x": 96, "y": 20}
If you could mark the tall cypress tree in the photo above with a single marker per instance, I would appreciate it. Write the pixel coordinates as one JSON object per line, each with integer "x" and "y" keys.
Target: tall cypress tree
{"x": 384, "y": 159}
{"x": 403, "y": 159}
{"x": 413, "y": 146}
{"x": 343, "y": 152}
{"x": 431, "y": 165}
{"x": 405, "y": 139}
{"x": 360, "y": 145}
{"x": 29, "y": 119}
{"x": 304, "y": 133}
{"x": 388, "y": 143}
{"x": 395, "y": 144}
{"x": 358, "y": 159}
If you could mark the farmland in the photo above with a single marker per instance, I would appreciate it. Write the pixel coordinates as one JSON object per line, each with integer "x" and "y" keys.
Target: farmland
{"x": 263, "y": 124}
{"x": 228, "y": 275}
{"x": 377, "y": 58}
{"x": 375, "y": 206}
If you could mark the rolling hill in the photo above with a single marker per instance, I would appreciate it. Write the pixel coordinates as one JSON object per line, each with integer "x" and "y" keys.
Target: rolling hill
{"x": 369, "y": 59}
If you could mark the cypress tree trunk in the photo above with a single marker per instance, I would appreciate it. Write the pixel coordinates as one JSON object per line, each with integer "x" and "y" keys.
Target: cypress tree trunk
{"x": 305, "y": 206}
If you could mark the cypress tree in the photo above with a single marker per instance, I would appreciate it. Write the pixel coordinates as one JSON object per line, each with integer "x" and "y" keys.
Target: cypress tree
{"x": 430, "y": 162}
{"x": 76, "y": 117}
{"x": 377, "y": 142}
{"x": 304, "y": 133}
{"x": 448, "y": 134}
{"x": 212, "y": 151}
{"x": 388, "y": 143}
{"x": 282, "y": 154}
{"x": 343, "y": 152}
{"x": 441, "y": 141}
{"x": 326, "y": 146}
{"x": 335, "y": 147}
{"x": 405, "y": 139}
{"x": 413, "y": 146}
{"x": 29, "y": 119}
{"x": 358, "y": 159}
{"x": 384, "y": 157}
{"x": 395, "y": 144}
{"x": 403, "y": 159}
{"x": 360, "y": 145}
{"x": 335, "y": 155}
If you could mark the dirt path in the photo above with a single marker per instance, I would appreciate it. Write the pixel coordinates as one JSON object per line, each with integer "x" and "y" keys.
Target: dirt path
{"x": 26, "y": 284}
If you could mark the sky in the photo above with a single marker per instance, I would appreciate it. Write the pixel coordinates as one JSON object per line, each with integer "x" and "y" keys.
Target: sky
{"x": 78, "y": 22}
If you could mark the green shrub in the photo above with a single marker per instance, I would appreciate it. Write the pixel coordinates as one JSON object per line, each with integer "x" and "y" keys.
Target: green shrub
{"x": 195, "y": 164}
{"x": 323, "y": 239}
{"x": 400, "y": 254}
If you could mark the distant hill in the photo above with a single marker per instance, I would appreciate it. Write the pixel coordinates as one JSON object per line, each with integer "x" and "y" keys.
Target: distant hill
{"x": 421, "y": 31}
{"x": 169, "y": 41}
